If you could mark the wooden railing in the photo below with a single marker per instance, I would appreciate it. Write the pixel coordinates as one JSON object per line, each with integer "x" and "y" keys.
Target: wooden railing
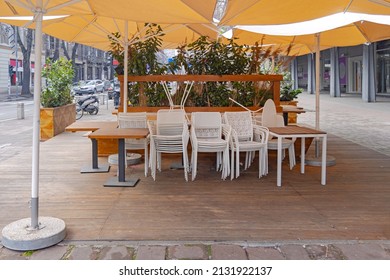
{"x": 275, "y": 79}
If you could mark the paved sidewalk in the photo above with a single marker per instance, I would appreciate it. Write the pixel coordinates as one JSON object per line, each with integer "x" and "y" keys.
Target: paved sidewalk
{"x": 285, "y": 250}
{"x": 367, "y": 124}
{"x": 14, "y": 95}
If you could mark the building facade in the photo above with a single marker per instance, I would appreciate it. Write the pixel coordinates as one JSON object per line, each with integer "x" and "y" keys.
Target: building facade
{"x": 358, "y": 70}
{"x": 90, "y": 63}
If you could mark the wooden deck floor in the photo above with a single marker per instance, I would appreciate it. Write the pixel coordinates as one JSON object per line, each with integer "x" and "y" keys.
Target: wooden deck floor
{"x": 355, "y": 203}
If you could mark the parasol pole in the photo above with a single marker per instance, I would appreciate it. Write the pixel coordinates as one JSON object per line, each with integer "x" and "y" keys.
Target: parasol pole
{"x": 316, "y": 160}
{"x": 36, "y": 121}
{"x": 35, "y": 232}
{"x": 318, "y": 81}
{"x": 125, "y": 77}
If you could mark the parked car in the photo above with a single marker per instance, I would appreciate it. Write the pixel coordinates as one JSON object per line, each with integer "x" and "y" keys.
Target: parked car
{"x": 106, "y": 84}
{"x": 92, "y": 86}
{"x": 76, "y": 87}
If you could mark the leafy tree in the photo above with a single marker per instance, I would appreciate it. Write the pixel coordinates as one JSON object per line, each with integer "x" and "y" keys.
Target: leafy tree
{"x": 71, "y": 57}
{"x": 203, "y": 57}
{"x": 142, "y": 61}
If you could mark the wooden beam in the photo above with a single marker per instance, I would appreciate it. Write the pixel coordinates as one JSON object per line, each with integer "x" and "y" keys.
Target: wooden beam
{"x": 275, "y": 79}
{"x": 203, "y": 78}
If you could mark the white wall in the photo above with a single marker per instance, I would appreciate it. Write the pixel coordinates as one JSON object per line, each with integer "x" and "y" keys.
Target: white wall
{"x": 4, "y": 74}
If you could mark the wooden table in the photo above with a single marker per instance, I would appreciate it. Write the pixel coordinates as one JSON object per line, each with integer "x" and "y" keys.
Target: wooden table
{"x": 92, "y": 126}
{"x": 291, "y": 109}
{"x": 298, "y": 132}
{"x": 121, "y": 134}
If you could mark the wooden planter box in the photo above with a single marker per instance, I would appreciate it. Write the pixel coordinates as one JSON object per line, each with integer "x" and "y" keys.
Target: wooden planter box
{"x": 53, "y": 121}
{"x": 292, "y": 117}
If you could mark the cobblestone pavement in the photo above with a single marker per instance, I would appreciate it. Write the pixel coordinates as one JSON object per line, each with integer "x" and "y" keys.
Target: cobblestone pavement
{"x": 310, "y": 250}
{"x": 367, "y": 124}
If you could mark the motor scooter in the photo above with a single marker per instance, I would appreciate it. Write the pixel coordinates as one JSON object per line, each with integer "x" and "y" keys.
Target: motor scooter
{"x": 88, "y": 104}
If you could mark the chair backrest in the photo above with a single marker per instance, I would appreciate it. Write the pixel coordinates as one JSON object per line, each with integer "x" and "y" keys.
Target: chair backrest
{"x": 270, "y": 117}
{"x": 170, "y": 122}
{"x": 132, "y": 120}
{"x": 207, "y": 124}
{"x": 242, "y": 124}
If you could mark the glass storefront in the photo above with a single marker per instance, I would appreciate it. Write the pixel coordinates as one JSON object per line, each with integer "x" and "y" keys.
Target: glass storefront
{"x": 383, "y": 67}
{"x": 351, "y": 69}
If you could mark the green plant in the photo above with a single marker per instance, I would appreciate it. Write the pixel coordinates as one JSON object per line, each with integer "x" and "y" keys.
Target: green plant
{"x": 142, "y": 61}
{"x": 289, "y": 94}
{"x": 59, "y": 76}
{"x": 201, "y": 57}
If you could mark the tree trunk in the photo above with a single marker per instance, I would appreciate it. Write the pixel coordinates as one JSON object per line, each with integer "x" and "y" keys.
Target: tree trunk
{"x": 26, "y": 51}
{"x": 73, "y": 57}
{"x": 56, "y": 54}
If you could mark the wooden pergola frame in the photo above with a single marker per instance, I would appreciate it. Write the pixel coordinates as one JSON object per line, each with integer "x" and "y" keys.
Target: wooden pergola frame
{"x": 275, "y": 79}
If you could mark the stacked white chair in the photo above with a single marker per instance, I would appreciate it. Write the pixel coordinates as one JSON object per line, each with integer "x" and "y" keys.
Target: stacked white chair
{"x": 249, "y": 138}
{"x": 271, "y": 119}
{"x": 169, "y": 134}
{"x": 209, "y": 135}
{"x": 136, "y": 120}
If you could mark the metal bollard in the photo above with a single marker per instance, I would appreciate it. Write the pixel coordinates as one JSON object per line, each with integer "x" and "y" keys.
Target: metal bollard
{"x": 20, "y": 110}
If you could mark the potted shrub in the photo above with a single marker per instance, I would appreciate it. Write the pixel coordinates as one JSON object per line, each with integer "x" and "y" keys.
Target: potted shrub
{"x": 288, "y": 94}
{"x": 58, "y": 110}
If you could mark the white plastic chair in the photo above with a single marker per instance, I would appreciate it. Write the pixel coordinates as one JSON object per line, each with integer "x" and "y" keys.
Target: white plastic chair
{"x": 249, "y": 138}
{"x": 136, "y": 120}
{"x": 209, "y": 135}
{"x": 271, "y": 119}
{"x": 168, "y": 134}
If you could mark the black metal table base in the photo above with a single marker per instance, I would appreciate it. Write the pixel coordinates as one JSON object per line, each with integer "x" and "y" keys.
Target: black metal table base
{"x": 100, "y": 169}
{"x": 114, "y": 182}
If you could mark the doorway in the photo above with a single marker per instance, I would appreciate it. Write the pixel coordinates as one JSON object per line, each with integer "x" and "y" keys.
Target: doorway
{"x": 355, "y": 74}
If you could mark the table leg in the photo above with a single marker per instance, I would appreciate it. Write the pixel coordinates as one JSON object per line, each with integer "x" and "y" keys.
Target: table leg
{"x": 323, "y": 165}
{"x": 279, "y": 163}
{"x": 121, "y": 160}
{"x": 285, "y": 118}
{"x": 303, "y": 155}
{"x": 95, "y": 167}
{"x": 121, "y": 180}
{"x": 94, "y": 154}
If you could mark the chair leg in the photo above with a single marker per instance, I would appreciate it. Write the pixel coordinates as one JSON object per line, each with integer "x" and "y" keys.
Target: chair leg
{"x": 266, "y": 160}
{"x": 237, "y": 163}
{"x": 159, "y": 161}
{"x": 291, "y": 155}
{"x": 194, "y": 163}
{"x": 153, "y": 159}
{"x": 260, "y": 163}
{"x": 126, "y": 165}
{"x": 225, "y": 164}
{"x": 247, "y": 162}
{"x": 232, "y": 164}
{"x": 146, "y": 160}
{"x": 185, "y": 162}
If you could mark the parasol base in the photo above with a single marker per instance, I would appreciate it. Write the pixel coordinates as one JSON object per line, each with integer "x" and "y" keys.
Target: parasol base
{"x": 317, "y": 161}
{"x": 20, "y": 236}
